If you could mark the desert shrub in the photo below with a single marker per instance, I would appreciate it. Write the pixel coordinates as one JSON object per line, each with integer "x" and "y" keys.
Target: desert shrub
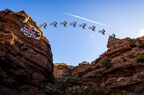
{"x": 123, "y": 93}
{"x": 80, "y": 74}
{"x": 143, "y": 81}
{"x": 124, "y": 59}
{"x": 120, "y": 93}
{"x": 137, "y": 90}
{"x": 133, "y": 52}
{"x": 140, "y": 58}
{"x": 93, "y": 63}
{"x": 107, "y": 63}
{"x": 141, "y": 46}
{"x": 97, "y": 91}
{"x": 114, "y": 94}
{"x": 41, "y": 92}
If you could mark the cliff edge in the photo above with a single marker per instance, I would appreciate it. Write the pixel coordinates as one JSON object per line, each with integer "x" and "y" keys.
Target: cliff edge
{"x": 26, "y": 63}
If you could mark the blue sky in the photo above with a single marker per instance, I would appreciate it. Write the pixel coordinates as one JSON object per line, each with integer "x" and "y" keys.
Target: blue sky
{"x": 74, "y": 45}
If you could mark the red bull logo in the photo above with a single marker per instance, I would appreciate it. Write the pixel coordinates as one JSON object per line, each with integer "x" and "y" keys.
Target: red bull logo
{"x": 30, "y": 32}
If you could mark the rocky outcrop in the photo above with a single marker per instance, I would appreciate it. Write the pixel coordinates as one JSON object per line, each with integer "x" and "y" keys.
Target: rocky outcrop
{"x": 80, "y": 68}
{"x": 26, "y": 62}
{"x": 62, "y": 70}
{"x": 126, "y": 73}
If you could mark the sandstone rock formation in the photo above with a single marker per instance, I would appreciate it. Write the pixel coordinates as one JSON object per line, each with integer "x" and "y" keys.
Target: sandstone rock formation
{"x": 126, "y": 74}
{"x": 26, "y": 62}
{"x": 62, "y": 70}
{"x": 80, "y": 68}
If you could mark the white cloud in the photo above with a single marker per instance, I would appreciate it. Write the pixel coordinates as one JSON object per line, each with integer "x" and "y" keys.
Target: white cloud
{"x": 140, "y": 33}
{"x": 87, "y": 19}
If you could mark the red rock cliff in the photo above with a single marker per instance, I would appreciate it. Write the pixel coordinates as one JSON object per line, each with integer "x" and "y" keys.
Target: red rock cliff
{"x": 62, "y": 70}
{"x": 125, "y": 74}
{"x": 26, "y": 62}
